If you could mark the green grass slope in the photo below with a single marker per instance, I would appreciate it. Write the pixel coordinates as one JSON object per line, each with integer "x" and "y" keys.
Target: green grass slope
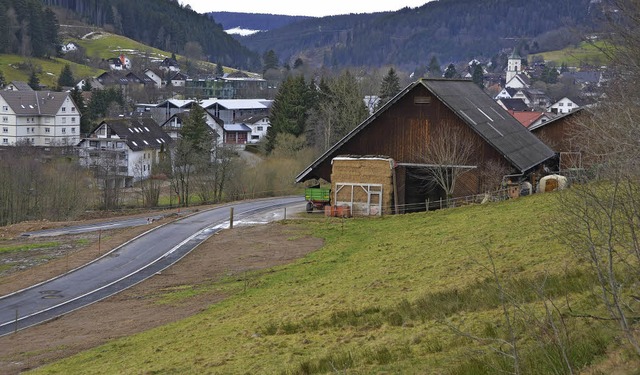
{"x": 411, "y": 294}
{"x": 19, "y": 68}
{"x": 587, "y": 53}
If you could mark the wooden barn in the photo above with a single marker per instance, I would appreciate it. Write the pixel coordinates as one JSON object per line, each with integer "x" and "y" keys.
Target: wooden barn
{"x": 437, "y": 125}
{"x": 559, "y": 135}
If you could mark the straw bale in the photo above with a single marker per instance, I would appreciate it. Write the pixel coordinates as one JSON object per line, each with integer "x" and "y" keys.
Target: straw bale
{"x": 362, "y": 171}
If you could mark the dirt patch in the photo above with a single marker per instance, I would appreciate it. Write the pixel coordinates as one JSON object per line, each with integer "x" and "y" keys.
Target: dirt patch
{"x": 136, "y": 309}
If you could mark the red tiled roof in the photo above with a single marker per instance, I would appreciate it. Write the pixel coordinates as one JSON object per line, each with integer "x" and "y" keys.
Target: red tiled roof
{"x": 526, "y": 118}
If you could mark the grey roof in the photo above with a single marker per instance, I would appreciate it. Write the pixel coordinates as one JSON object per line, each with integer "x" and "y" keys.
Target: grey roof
{"x": 139, "y": 133}
{"x": 490, "y": 121}
{"x": 21, "y": 86}
{"x": 515, "y": 104}
{"x": 237, "y": 128}
{"x": 251, "y": 119}
{"x": 34, "y": 103}
{"x": 554, "y": 119}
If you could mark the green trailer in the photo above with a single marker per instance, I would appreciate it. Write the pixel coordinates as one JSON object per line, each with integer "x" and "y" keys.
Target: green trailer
{"x": 317, "y": 198}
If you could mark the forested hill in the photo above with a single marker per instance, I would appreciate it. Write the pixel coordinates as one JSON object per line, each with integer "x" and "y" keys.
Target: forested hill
{"x": 163, "y": 24}
{"x": 451, "y": 30}
{"x": 253, "y": 21}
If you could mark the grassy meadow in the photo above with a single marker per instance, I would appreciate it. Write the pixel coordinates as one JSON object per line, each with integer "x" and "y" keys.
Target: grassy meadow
{"x": 18, "y": 68}
{"x": 590, "y": 53}
{"x": 413, "y": 294}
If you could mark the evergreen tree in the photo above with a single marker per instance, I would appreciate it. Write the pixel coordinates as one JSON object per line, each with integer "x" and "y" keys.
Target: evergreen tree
{"x": 339, "y": 109}
{"x": 2, "y": 80}
{"x": 87, "y": 85}
{"x": 66, "y": 77}
{"x": 34, "y": 81}
{"x": 451, "y": 72}
{"x": 478, "y": 75}
{"x": 196, "y": 131}
{"x": 434, "y": 68}
{"x": 390, "y": 87}
{"x": 219, "y": 69}
{"x": 289, "y": 111}
{"x": 269, "y": 60}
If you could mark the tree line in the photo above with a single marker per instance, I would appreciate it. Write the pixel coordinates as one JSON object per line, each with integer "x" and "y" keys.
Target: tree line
{"x": 452, "y": 30}
{"x": 28, "y": 29}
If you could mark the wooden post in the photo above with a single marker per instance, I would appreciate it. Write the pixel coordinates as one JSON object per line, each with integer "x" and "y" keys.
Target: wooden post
{"x": 427, "y": 204}
{"x": 285, "y": 213}
{"x": 15, "y": 327}
{"x": 440, "y": 202}
{"x": 231, "y": 218}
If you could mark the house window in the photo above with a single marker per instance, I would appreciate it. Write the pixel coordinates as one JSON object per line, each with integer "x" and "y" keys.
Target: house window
{"x": 5, "y": 130}
{"x": 5, "y": 119}
{"x": 47, "y": 140}
{"x": 64, "y": 109}
{"x": 73, "y": 120}
{"x": 569, "y": 104}
{"x": 28, "y": 130}
{"x": 63, "y": 130}
{"x": 260, "y": 128}
{"x": 73, "y": 130}
{"x": 64, "y": 120}
{"x": 561, "y": 104}
{"x": 5, "y": 108}
{"x": 47, "y": 130}
{"x": 73, "y": 109}
{"x": 28, "y": 120}
{"x": 5, "y": 141}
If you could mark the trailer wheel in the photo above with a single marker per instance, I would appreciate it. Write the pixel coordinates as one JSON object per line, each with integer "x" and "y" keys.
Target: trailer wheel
{"x": 309, "y": 207}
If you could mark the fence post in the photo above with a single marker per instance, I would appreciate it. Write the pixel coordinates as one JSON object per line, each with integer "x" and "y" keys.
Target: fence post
{"x": 231, "y": 218}
{"x": 427, "y": 204}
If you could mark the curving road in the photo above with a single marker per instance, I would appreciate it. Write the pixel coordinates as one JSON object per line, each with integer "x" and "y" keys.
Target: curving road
{"x": 126, "y": 265}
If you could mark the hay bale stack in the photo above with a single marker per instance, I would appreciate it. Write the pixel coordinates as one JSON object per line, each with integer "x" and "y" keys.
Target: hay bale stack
{"x": 362, "y": 171}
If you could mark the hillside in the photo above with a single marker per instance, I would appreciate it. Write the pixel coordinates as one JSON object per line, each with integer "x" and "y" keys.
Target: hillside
{"x": 410, "y": 294}
{"x": 17, "y": 68}
{"x": 451, "y": 30}
{"x": 163, "y": 24}
{"x": 253, "y": 21}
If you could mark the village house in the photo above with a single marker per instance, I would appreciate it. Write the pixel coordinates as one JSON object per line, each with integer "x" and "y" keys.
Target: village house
{"x": 121, "y": 151}
{"x": 563, "y": 106}
{"x": 18, "y": 86}
{"x": 421, "y": 118}
{"x": 38, "y": 118}
{"x": 259, "y": 124}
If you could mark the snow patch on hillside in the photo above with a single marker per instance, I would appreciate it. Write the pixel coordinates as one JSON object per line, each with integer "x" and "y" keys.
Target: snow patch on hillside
{"x": 241, "y": 31}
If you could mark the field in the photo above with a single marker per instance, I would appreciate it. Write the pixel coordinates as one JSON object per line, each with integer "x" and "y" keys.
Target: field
{"x": 585, "y": 54}
{"x": 438, "y": 292}
{"x": 17, "y": 68}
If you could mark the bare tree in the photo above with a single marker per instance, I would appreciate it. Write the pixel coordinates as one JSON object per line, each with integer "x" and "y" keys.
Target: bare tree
{"x": 447, "y": 156}
{"x": 601, "y": 218}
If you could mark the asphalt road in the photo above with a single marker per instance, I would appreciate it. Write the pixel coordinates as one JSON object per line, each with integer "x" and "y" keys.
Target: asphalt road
{"x": 129, "y": 264}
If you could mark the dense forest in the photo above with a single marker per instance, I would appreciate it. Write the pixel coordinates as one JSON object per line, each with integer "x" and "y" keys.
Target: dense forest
{"x": 451, "y": 30}
{"x": 27, "y": 28}
{"x": 163, "y": 24}
{"x": 253, "y": 21}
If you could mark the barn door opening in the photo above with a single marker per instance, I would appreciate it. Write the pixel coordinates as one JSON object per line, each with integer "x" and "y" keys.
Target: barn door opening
{"x": 421, "y": 188}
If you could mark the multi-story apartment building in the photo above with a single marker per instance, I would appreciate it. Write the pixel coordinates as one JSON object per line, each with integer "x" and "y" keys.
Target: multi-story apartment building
{"x": 38, "y": 118}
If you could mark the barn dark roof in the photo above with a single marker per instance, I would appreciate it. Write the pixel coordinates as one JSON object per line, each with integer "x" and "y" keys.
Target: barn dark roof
{"x": 490, "y": 121}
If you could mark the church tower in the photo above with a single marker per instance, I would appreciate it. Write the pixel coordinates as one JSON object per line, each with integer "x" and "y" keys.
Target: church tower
{"x": 514, "y": 65}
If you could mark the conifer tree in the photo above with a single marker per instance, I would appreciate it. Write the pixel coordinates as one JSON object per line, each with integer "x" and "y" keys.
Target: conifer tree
{"x": 478, "y": 75}
{"x": 390, "y": 86}
{"x": 451, "y": 72}
{"x": 66, "y": 77}
{"x": 289, "y": 111}
{"x": 434, "y": 68}
{"x": 34, "y": 81}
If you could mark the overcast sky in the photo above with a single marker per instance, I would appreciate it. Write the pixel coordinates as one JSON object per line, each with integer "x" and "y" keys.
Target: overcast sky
{"x": 300, "y": 7}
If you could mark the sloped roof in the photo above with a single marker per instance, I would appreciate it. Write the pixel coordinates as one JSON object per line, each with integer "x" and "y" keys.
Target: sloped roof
{"x": 526, "y": 118}
{"x": 237, "y": 128}
{"x": 555, "y": 119}
{"x": 490, "y": 121}
{"x": 21, "y": 86}
{"x": 139, "y": 133}
{"x": 34, "y": 103}
{"x": 240, "y": 103}
{"x": 514, "y": 105}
